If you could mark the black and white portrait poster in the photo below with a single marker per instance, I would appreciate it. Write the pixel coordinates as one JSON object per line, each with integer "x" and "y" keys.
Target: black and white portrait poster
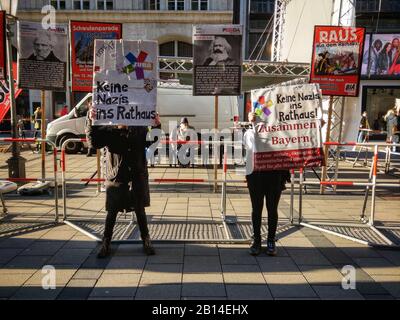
{"x": 217, "y": 60}
{"x": 42, "y": 56}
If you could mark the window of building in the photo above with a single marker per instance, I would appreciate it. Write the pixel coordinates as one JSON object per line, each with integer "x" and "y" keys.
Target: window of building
{"x": 200, "y": 5}
{"x": 174, "y": 49}
{"x": 176, "y": 5}
{"x": 58, "y": 4}
{"x": 105, "y": 5}
{"x": 81, "y": 5}
{"x": 262, "y": 6}
{"x": 154, "y": 4}
{"x": 376, "y": 101}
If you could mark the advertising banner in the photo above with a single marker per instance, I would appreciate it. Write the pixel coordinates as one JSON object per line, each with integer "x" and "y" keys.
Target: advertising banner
{"x": 125, "y": 82}
{"x": 217, "y": 60}
{"x": 5, "y": 101}
{"x": 381, "y": 60}
{"x": 42, "y": 56}
{"x": 82, "y": 38}
{"x": 288, "y": 135}
{"x": 2, "y": 45}
{"x": 336, "y": 59}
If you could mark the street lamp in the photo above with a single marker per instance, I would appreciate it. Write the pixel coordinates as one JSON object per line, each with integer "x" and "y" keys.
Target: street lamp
{"x": 16, "y": 163}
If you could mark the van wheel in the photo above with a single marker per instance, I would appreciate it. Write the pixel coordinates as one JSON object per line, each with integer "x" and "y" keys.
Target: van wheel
{"x": 71, "y": 147}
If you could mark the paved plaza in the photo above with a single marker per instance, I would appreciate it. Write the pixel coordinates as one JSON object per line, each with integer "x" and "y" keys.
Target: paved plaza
{"x": 308, "y": 265}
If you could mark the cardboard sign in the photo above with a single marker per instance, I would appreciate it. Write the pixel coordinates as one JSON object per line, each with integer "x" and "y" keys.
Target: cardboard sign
{"x": 83, "y": 35}
{"x": 336, "y": 59}
{"x": 288, "y": 134}
{"x": 5, "y": 101}
{"x": 125, "y": 82}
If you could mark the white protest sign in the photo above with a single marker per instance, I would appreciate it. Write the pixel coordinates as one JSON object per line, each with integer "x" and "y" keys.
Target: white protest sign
{"x": 125, "y": 82}
{"x": 289, "y": 134}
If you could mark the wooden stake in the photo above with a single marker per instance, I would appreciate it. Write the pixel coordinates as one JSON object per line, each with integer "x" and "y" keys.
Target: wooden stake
{"x": 326, "y": 148}
{"x": 216, "y": 146}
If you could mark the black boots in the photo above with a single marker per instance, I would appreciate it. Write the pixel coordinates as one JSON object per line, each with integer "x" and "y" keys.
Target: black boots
{"x": 255, "y": 248}
{"x": 105, "y": 249}
{"x": 148, "y": 247}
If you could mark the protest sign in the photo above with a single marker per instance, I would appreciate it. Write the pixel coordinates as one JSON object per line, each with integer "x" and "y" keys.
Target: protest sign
{"x": 217, "y": 60}
{"x": 82, "y": 37}
{"x": 5, "y": 101}
{"x": 336, "y": 59}
{"x": 289, "y": 134}
{"x": 125, "y": 82}
{"x": 42, "y": 56}
{"x": 2, "y": 45}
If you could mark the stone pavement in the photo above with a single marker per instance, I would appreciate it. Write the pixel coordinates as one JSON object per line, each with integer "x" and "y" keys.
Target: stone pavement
{"x": 308, "y": 264}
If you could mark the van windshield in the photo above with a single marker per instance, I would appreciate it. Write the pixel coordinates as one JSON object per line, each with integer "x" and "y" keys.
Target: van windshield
{"x": 80, "y": 110}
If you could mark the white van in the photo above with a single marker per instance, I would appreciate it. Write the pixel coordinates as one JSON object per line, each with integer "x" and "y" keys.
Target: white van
{"x": 172, "y": 105}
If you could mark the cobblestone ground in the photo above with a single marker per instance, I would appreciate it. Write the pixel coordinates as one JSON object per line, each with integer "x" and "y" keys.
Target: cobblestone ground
{"x": 308, "y": 265}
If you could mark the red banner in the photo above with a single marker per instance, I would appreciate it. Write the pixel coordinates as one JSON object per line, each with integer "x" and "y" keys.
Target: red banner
{"x": 2, "y": 45}
{"x": 82, "y": 38}
{"x": 5, "y": 101}
{"x": 336, "y": 59}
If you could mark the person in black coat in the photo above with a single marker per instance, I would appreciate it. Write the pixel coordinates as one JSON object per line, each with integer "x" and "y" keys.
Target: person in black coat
{"x": 263, "y": 184}
{"x": 127, "y": 184}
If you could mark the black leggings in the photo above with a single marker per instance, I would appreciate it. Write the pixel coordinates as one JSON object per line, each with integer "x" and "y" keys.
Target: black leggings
{"x": 267, "y": 187}
{"x": 117, "y": 199}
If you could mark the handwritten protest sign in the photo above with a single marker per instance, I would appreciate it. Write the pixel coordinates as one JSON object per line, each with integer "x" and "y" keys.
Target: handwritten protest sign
{"x": 125, "y": 82}
{"x": 289, "y": 134}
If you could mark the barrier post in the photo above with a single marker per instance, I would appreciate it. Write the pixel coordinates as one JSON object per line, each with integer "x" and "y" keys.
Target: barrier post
{"x": 291, "y": 209}
{"x": 374, "y": 171}
{"x": 64, "y": 186}
{"x": 223, "y": 198}
{"x": 55, "y": 182}
{"x": 301, "y": 195}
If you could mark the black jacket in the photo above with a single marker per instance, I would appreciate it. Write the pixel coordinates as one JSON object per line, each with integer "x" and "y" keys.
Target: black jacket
{"x": 125, "y": 158}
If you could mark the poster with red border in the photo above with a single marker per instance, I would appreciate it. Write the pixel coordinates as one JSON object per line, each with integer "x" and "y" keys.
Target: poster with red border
{"x": 83, "y": 34}
{"x": 2, "y": 45}
{"x": 5, "y": 101}
{"x": 336, "y": 59}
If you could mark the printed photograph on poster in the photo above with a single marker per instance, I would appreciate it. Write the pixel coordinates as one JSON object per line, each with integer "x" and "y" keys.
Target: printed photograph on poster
{"x": 82, "y": 36}
{"x": 42, "y": 56}
{"x": 217, "y": 58}
{"x": 125, "y": 82}
{"x": 336, "y": 59}
{"x": 287, "y": 133}
{"x": 2, "y": 45}
{"x": 382, "y": 57}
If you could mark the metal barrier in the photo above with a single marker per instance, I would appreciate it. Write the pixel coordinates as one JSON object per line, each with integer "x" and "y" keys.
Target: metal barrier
{"x": 361, "y": 233}
{"x": 55, "y": 171}
{"x": 225, "y": 237}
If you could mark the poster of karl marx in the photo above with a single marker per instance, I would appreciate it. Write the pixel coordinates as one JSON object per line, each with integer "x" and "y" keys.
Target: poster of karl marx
{"x": 42, "y": 56}
{"x": 217, "y": 56}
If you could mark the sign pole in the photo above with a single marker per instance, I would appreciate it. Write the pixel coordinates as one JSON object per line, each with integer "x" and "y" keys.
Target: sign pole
{"x": 326, "y": 148}
{"x": 43, "y": 133}
{"x": 216, "y": 146}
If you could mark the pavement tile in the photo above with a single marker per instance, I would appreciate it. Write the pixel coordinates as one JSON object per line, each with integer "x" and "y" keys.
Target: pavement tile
{"x": 125, "y": 264}
{"x": 159, "y": 292}
{"x": 162, "y": 274}
{"x": 28, "y": 262}
{"x": 10, "y": 283}
{"x": 7, "y": 254}
{"x": 377, "y": 266}
{"x": 248, "y": 292}
{"x": 167, "y": 255}
{"x": 390, "y": 282}
{"x": 77, "y": 289}
{"x": 201, "y": 250}
{"x": 242, "y": 274}
{"x": 337, "y": 293}
{"x": 308, "y": 257}
{"x": 289, "y": 286}
{"x": 277, "y": 265}
{"x": 236, "y": 256}
{"x": 88, "y": 274}
{"x": 321, "y": 275}
{"x": 116, "y": 285}
{"x": 70, "y": 256}
{"x": 197, "y": 264}
{"x": 36, "y": 293}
